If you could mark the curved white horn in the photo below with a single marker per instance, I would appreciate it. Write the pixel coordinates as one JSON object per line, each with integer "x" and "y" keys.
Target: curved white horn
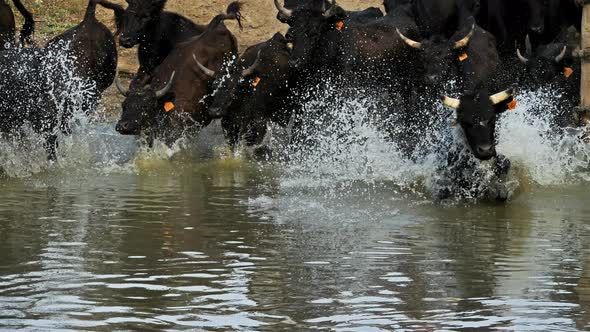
{"x": 286, "y": 12}
{"x": 465, "y": 41}
{"x": 328, "y": 12}
{"x": 561, "y": 55}
{"x": 501, "y": 96}
{"x": 205, "y": 70}
{"x": 521, "y": 57}
{"x": 124, "y": 91}
{"x": 410, "y": 42}
{"x": 451, "y": 102}
{"x": 250, "y": 70}
{"x": 168, "y": 86}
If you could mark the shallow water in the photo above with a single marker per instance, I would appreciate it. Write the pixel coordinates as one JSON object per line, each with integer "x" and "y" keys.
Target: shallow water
{"x": 222, "y": 245}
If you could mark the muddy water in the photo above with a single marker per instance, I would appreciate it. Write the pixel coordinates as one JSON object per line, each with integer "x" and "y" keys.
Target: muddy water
{"x": 230, "y": 245}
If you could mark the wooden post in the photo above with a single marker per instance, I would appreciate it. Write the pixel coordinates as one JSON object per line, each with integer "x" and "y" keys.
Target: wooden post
{"x": 585, "y": 61}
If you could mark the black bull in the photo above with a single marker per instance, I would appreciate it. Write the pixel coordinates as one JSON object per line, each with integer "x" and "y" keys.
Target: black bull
{"x": 36, "y": 86}
{"x": 170, "y": 102}
{"x": 157, "y": 32}
{"x": 7, "y": 24}
{"x": 93, "y": 45}
{"x": 254, "y": 90}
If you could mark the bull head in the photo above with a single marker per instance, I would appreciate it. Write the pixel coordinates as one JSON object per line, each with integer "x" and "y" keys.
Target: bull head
{"x": 463, "y": 42}
{"x": 159, "y": 93}
{"x": 140, "y": 106}
{"x": 228, "y": 87}
{"x": 138, "y": 16}
{"x": 529, "y": 52}
{"x": 476, "y": 114}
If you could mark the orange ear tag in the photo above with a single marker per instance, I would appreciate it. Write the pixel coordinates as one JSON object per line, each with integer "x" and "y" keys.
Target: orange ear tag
{"x": 567, "y": 72}
{"x": 463, "y": 57}
{"x": 256, "y": 81}
{"x": 512, "y": 105}
{"x": 339, "y": 25}
{"x": 454, "y": 124}
{"x": 168, "y": 106}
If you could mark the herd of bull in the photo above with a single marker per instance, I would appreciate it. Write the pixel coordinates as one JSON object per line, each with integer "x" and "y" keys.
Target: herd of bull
{"x": 191, "y": 74}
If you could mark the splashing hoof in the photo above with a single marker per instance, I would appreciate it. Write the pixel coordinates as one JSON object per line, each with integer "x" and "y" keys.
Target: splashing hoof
{"x": 502, "y": 165}
{"x": 262, "y": 153}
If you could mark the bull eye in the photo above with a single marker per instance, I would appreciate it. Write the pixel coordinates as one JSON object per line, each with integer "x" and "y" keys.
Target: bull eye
{"x": 484, "y": 123}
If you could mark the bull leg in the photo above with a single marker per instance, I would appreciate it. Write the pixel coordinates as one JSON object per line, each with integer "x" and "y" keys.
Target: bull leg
{"x": 502, "y": 166}
{"x": 501, "y": 169}
{"x": 51, "y": 145}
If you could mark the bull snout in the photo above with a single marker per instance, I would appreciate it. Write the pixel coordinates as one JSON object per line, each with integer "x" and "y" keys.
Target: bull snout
{"x": 537, "y": 29}
{"x": 485, "y": 152}
{"x": 215, "y": 112}
{"x": 126, "y": 41}
{"x": 432, "y": 79}
{"x": 127, "y": 128}
{"x": 294, "y": 63}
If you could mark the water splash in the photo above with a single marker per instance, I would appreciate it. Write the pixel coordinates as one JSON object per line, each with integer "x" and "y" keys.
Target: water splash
{"x": 549, "y": 155}
{"x": 350, "y": 144}
{"x": 353, "y": 148}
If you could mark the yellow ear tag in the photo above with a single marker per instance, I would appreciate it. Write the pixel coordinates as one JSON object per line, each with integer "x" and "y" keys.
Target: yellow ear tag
{"x": 567, "y": 72}
{"x": 168, "y": 106}
{"x": 463, "y": 57}
{"x": 339, "y": 25}
{"x": 256, "y": 81}
{"x": 512, "y": 105}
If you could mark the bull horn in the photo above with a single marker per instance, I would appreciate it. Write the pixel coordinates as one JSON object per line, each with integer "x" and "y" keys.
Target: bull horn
{"x": 328, "y": 12}
{"x": 286, "y": 12}
{"x": 167, "y": 88}
{"x": 250, "y": 70}
{"x": 204, "y": 69}
{"x": 501, "y": 96}
{"x": 528, "y": 45}
{"x": 521, "y": 57}
{"x": 451, "y": 102}
{"x": 561, "y": 55}
{"x": 410, "y": 42}
{"x": 465, "y": 41}
{"x": 120, "y": 86}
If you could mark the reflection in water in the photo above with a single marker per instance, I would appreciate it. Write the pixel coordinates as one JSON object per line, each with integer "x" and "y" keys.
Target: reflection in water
{"x": 221, "y": 245}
